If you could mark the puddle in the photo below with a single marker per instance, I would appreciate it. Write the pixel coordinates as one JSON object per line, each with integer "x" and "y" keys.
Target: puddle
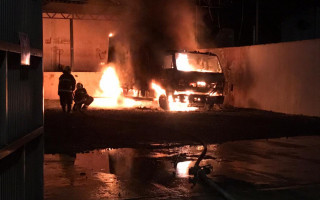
{"x": 162, "y": 172}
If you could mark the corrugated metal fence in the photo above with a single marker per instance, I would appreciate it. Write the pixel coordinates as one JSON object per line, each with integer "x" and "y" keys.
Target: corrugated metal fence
{"x": 24, "y": 96}
{"x": 21, "y": 102}
{"x": 21, "y": 16}
{"x": 21, "y": 121}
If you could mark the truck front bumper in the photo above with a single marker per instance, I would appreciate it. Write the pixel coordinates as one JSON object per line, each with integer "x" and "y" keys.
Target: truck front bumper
{"x": 198, "y": 100}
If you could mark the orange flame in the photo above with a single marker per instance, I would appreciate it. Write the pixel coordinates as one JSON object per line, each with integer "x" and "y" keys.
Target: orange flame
{"x": 177, "y": 105}
{"x": 158, "y": 90}
{"x": 110, "y": 94}
{"x": 183, "y": 63}
{"x": 174, "y": 104}
{"x": 110, "y": 83}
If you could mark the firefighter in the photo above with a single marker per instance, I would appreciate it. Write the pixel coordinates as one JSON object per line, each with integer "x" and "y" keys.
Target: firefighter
{"x": 65, "y": 89}
{"x": 81, "y": 98}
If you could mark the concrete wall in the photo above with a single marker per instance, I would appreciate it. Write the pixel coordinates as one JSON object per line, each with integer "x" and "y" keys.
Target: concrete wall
{"x": 90, "y": 43}
{"x": 283, "y": 77}
{"x": 56, "y": 40}
{"x": 90, "y": 80}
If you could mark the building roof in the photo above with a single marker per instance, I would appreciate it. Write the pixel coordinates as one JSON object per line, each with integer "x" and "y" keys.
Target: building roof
{"x": 111, "y": 7}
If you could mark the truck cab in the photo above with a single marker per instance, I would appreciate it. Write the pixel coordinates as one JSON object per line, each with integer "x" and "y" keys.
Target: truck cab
{"x": 193, "y": 77}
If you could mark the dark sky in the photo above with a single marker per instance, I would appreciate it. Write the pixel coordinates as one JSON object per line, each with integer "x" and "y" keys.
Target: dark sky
{"x": 240, "y": 16}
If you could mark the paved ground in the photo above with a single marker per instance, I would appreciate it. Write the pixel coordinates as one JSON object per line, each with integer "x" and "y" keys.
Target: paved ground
{"x": 146, "y": 153}
{"x": 282, "y": 168}
{"x": 95, "y": 129}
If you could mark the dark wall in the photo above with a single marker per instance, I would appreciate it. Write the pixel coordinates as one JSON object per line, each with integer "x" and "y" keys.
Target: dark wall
{"x": 21, "y": 102}
{"x": 278, "y": 21}
{"x": 21, "y": 16}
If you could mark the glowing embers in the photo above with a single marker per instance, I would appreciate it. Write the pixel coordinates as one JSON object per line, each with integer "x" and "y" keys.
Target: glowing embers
{"x": 177, "y": 104}
{"x": 111, "y": 103}
{"x": 201, "y": 84}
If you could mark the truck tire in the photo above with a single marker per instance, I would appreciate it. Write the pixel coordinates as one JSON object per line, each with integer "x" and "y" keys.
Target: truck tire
{"x": 163, "y": 102}
{"x": 210, "y": 106}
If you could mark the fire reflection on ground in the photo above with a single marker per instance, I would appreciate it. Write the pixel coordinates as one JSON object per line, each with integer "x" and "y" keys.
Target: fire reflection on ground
{"x": 183, "y": 168}
{"x": 162, "y": 170}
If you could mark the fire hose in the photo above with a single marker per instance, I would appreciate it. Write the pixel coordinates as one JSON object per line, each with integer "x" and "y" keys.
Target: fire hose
{"x": 200, "y": 172}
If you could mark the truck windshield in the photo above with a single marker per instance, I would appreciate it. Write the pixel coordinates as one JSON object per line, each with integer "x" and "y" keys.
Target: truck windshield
{"x": 197, "y": 62}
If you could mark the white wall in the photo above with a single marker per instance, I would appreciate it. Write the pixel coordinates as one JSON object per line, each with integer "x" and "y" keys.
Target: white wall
{"x": 90, "y": 80}
{"x": 283, "y": 77}
{"x": 90, "y": 38}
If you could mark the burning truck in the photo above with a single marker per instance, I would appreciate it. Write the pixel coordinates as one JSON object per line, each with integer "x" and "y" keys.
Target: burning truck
{"x": 190, "y": 78}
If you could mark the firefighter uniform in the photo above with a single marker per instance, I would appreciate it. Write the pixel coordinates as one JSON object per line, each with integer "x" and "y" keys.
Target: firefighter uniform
{"x": 65, "y": 89}
{"x": 81, "y": 98}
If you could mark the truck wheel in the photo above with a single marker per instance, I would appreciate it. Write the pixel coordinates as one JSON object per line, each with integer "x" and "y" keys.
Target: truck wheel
{"x": 163, "y": 102}
{"x": 208, "y": 106}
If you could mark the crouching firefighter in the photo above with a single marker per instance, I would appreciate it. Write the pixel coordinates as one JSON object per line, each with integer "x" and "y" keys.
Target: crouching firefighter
{"x": 81, "y": 98}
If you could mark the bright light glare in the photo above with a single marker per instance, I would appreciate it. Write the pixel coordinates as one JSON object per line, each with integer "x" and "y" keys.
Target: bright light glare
{"x": 201, "y": 83}
{"x": 183, "y": 62}
{"x": 183, "y": 168}
{"x": 110, "y": 83}
{"x": 110, "y": 94}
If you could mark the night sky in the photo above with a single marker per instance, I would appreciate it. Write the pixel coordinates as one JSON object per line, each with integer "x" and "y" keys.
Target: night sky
{"x": 276, "y": 18}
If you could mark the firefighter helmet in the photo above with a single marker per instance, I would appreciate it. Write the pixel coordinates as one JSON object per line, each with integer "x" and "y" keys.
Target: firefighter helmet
{"x": 67, "y": 69}
{"x": 79, "y": 86}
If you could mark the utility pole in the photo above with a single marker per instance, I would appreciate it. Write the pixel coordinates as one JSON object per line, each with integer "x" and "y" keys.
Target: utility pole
{"x": 3, "y": 98}
{"x": 71, "y": 44}
{"x": 196, "y": 23}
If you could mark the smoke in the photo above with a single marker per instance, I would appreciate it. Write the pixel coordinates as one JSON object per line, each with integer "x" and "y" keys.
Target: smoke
{"x": 143, "y": 31}
{"x": 150, "y": 27}
{"x": 161, "y": 23}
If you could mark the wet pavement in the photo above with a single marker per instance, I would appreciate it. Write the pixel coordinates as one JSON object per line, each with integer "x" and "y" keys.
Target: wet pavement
{"x": 279, "y": 168}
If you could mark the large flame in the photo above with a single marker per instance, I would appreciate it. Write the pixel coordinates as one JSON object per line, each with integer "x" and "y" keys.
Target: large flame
{"x": 110, "y": 94}
{"x": 110, "y": 84}
{"x": 177, "y": 105}
{"x": 158, "y": 90}
{"x": 183, "y": 63}
{"x": 174, "y": 104}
